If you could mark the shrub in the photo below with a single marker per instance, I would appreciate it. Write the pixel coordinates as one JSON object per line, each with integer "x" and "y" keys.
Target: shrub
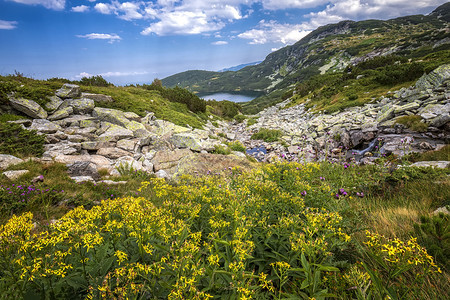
{"x": 221, "y": 149}
{"x": 267, "y": 135}
{"x": 240, "y": 118}
{"x": 17, "y": 141}
{"x": 225, "y": 108}
{"x": 251, "y": 121}
{"x": 434, "y": 234}
{"x": 95, "y": 81}
{"x": 413, "y": 122}
{"x": 237, "y": 146}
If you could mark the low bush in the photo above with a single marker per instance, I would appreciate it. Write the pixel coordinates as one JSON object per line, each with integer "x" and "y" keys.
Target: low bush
{"x": 413, "y": 122}
{"x": 237, "y": 146}
{"x": 267, "y": 135}
{"x": 20, "y": 142}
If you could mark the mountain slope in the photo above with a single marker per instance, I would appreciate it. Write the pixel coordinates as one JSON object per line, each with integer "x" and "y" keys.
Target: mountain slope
{"x": 328, "y": 49}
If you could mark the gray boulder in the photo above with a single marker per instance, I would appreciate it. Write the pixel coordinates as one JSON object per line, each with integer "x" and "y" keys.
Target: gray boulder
{"x": 98, "y": 97}
{"x": 83, "y": 168}
{"x": 81, "y": 106}
{"x": 69, "y": 91}
{"x": 61, "y": 113}
{"x": 186, "y": 140}
{"x": 112, "y": 152}
{"x": 13, "y": 175}
{"x": 110, "y": 115}
{"x": 53, "y": 103}
{"x": 435, "y": 78}
{"x": 115, "y": 133}
{"x": 45, "y": 126}
{"x": 7, "y": 160}
{"x": 28, "y": 107}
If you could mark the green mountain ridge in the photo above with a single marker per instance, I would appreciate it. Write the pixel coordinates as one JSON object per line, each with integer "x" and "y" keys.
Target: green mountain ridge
{"x": 327, "y": 50}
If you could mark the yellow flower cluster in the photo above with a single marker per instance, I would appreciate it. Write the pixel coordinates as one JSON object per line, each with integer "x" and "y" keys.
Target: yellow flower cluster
{"x": 397, "y": 252}
{"x": 200, "y": 237}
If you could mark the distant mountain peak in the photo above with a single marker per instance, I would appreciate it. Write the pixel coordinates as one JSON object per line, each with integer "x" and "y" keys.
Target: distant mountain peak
{"x": 241, "y": 66}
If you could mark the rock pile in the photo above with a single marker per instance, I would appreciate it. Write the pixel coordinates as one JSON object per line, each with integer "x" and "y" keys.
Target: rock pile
{"x": 356, "y": 127}
{"x": 88, "y": 137}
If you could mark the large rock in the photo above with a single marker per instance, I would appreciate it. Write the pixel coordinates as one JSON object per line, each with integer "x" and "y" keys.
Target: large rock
{"x": 13, "y": 175}
{"x": 168, "y": 160}
{"x": 186, "y": 140}
{"x": 81, "y": 106}
{"x": 115, "y": 133}
{"x": 138, "y": 129}
{"x": 28, "y": 107}
{"x": 68, "y": 91}
{"x": 101, "y": 161}
{"x": 386, "y": 113}
{"x": 127, "y": 145}
{"x": 435, "y": 164}
{"x": 206, "y": 163}
{"x": 83, "y": 168}
{"x": 61, "y": 113}
{"x": 113, "y": 152}
{"x": 98, "y": 97}
{"x": 45, "y": 126}
{"x": 435, "y": 78}
{"x": 407, "y": 107}
{"x": 53, "y": 103}
{"x": 110, "y": 115}
{"x": 440, "y": 120}
{"x": 7, "y": 160}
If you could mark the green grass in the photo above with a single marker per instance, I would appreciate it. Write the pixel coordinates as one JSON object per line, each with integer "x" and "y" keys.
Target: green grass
{"x": 441, "y": 154}
{"x": 267, "y": 135}
{"x": 63, "y": 193}
{"x": 413, "y": 122}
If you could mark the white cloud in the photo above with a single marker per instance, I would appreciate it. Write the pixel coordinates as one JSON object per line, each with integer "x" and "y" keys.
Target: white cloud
{"x": 219, "y": 43}
{"x": 7, "y": 25}
{"x": 183, "y": 22}
{"x": 101, "y": 36}
{"x": 103, "y": 8}
{"x": 286, "y": 4}
{"x": 80, "y": 8}
{"x": 50, "y": 4}
{"x": 356, "y": 10}
{"x": 113, "y": 74}
{"x": 169, "y": 17}
{"x": 273, "y": 32}
{"x": 126, "y": 10}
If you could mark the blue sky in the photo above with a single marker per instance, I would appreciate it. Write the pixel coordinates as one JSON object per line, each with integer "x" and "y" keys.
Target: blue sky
{"x": 137, "y": 41}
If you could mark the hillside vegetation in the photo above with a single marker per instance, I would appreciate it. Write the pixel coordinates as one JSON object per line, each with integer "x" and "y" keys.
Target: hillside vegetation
{"x": 329, "y": 50}
{"x": 176, "y": 105}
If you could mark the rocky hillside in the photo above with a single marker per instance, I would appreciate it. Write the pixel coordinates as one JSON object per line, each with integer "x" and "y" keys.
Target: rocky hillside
{"x": 329, "y": 49}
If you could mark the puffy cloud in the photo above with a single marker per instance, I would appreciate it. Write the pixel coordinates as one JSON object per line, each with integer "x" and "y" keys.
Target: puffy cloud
{"x": 339, "y": 10}
{"x": 183, "y": 22}
{"x": 101, "y": 36}
{"x": 50, "y": 4}
{"x": 80, "y": 8}
{"x": 126, "y": 10}
{"x": 273, "y": 32}
{"x": 8, "y": 25}
{"x": 285, "y": 4}
{"x": 219, "y": 43}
